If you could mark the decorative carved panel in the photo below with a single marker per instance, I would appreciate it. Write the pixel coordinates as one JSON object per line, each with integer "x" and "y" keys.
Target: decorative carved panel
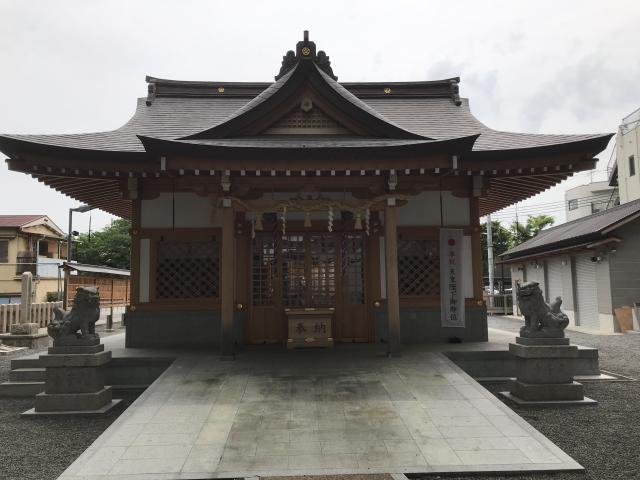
{"x": 303, "y": 122}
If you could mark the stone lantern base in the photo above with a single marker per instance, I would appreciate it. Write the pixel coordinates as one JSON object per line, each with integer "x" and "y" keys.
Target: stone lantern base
{"x": 545, "y": 368}
{"x": 74, "y": 382}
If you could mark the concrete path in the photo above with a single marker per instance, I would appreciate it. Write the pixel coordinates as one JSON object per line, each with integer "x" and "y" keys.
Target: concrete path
{"x": 343, "y": 410}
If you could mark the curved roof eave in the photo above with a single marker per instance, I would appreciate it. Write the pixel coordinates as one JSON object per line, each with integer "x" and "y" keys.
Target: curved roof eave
{"x": 459, "y": 145}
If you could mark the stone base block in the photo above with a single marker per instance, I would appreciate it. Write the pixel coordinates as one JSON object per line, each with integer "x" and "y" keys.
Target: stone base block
{"x": 100, "y": 411}
{"x": 543, "y": 392}
{"x": 61, "y": 350}
{"x": 24, "y": 329}
{"x": 75, "y": 360}
{"x": 73, "y": 402}
{"x": 74, "y": 380}
{"x": 545, "y": 370}
{"x": 552, "y": 403}
{"x": 38, "y": 341}
{"x": 543, "y": 351}
{"x": 542, "y": 341}
{"x": 73, "y": 341}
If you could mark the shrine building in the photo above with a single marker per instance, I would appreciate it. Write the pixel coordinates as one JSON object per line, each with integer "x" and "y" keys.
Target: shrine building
{"x": 357, "y": 203}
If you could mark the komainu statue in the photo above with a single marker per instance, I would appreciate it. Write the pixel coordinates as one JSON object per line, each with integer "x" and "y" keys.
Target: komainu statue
{"x": 541, "y": 319}
{"x": 78, "y": 325}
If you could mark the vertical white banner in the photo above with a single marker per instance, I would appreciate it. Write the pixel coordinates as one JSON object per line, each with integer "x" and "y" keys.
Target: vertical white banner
{"x": 451, "y": 291}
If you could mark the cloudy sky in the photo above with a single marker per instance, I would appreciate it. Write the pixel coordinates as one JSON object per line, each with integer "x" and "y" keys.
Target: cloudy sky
{"x": 532, "y": 66}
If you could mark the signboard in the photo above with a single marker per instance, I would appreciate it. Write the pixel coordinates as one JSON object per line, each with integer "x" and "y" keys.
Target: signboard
{"x": 309, "y": 327}
{"x": 451, "y": 291}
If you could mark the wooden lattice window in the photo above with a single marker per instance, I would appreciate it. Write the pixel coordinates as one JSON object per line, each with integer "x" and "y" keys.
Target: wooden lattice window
{"x": 352, "y": 269}
{"x": 322, "y": 286}
{"x": 418, "y": 268}
{"x": 298, "y": 121}
{"x": 294, "y": 285}
{"x": 188, "y": 270}
{"x": 264, "y": 269}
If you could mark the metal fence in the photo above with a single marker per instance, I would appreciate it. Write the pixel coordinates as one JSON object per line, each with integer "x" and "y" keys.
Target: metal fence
{"x": 499, "y": 303}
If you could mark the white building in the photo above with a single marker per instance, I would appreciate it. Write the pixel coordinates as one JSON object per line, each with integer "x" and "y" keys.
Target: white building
{"x": 624, "y": 167}
{"x": 591, "y": 198}
{"x": 592, "y": 263}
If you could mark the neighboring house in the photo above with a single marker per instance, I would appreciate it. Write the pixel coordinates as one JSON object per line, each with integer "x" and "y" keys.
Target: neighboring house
{"x": 591, "y": 198}
{"x": 593, "y": 263}
{"x": 29, "y": 243}
{"x": 624, "y": 166}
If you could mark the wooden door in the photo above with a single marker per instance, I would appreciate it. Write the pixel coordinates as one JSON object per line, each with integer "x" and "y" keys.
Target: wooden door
{"x": 264, "y": 324}
{"x": 309, "y": 269}
{"x": 352, "y": 313}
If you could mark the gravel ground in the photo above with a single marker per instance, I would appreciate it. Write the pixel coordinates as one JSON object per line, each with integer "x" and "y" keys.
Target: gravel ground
{"x": 603, "y": 438}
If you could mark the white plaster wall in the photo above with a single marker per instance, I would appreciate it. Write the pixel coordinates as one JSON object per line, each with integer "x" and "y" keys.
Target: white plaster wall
{"x": 627, "y": 144}
{"x": 191, "y": 211}
{"x": 145, "y": 252}
{"x": 424, "y": 210}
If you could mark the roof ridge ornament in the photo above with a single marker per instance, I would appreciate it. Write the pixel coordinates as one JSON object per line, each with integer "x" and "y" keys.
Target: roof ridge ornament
{"x": 306, "y": 50}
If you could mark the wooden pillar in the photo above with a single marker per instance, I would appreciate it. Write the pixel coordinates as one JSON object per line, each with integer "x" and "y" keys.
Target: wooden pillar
{"x": 476, "y": 249}
{"x": 227, "y": 278}
{"x": 391, "y": 266}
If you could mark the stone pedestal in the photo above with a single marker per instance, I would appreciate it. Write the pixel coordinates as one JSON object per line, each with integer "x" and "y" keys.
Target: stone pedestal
{"x": 74, "y": 382}
{"x": 544, "y": 373}
{"x": 25, "y": 335}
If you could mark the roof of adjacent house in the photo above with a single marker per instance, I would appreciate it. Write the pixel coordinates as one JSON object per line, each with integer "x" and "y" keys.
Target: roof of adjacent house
{"x": 83, "y": 267}
{"x": 585, "y": 230}
{"x": 17, "y": 220}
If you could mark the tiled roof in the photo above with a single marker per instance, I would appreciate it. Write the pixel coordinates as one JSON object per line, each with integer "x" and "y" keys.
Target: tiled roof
{"x": 17, "y": 220}
{"x": 590, "y": 228}
{"x": 174, "y": 117}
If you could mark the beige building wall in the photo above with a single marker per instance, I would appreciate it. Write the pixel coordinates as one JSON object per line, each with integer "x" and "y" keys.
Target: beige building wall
{"x": 628, "y": 157}
{"x": 10, "y": 282}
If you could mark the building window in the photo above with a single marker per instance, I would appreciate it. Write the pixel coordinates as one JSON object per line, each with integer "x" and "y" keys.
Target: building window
{"x": 187, "y": 270}
{"x": 418, "y": 268}
{"x": 4, "y": 251}
{"x": 43, "y": 248}
{"x": 573, "y": 204}
{"x": 632, "y": 166}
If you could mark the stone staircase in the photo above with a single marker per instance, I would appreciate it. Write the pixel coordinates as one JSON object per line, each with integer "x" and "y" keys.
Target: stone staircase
{"x": 26, "y": 378}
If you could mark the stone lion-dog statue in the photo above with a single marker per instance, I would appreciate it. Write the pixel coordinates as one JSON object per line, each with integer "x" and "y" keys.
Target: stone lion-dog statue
{"x": 541, "y": 320}
{"x": 78, "y": 325}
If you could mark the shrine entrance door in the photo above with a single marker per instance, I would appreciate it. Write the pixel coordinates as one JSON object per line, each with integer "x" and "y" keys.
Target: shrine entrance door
{"x": 309, "y": 269}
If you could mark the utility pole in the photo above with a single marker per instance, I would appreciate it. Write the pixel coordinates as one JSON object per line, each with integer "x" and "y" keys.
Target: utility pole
{"x": 490, "y": 257}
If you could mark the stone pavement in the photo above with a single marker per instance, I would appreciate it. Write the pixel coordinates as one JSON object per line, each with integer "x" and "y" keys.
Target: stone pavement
{"x": 332, "y": 411}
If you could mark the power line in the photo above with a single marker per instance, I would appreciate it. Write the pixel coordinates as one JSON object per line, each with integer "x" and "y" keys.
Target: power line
{"x": 557, "y": 203}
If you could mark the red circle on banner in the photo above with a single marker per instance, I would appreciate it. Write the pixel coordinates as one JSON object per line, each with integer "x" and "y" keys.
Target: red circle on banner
{"x": 451, "y": 242}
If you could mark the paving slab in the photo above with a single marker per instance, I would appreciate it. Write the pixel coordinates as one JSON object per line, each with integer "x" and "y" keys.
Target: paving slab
{"x": 344, "y": 410}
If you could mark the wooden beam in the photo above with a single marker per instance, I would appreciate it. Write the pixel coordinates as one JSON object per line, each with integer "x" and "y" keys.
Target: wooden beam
{"x": 227, "y": 282}
{"x": 391, "y": 267}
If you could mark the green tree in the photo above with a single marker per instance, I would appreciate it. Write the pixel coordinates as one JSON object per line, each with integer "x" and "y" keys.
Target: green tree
{"x": 522, "y": 232}
{"x": 502, "y": 241}
{"x": 110, "y": 247}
